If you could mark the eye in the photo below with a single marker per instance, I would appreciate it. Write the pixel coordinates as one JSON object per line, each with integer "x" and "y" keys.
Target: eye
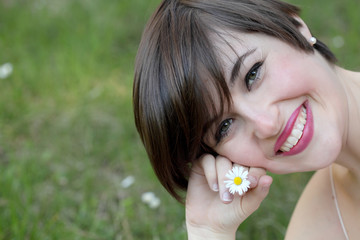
{"x": 223, "y": 129}
{"x": 253, "y": 75}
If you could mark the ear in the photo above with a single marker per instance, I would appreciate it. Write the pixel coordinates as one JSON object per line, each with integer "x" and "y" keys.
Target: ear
{"x": 305, "y": 31}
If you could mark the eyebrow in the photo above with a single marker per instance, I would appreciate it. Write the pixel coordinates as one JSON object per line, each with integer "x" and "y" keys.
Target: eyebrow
{"x": 236, "y": 68}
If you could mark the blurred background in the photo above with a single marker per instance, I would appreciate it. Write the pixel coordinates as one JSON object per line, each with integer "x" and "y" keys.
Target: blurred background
{"x": 71, "y": 163}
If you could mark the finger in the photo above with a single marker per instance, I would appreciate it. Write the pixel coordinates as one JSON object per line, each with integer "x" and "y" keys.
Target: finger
{"x": 254, "y": 175}
{"x": 197, "y": 175}
{"x": 223, "y": 165}
{"x": 252, "y": 200}
{"x": 207, "y": 162}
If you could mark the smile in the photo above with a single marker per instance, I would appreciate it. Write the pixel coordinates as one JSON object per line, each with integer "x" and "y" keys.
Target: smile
{"x": 298, "y": 132}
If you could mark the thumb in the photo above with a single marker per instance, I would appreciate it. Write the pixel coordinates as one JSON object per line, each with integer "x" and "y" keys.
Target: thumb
{"x": 252, "y": 200}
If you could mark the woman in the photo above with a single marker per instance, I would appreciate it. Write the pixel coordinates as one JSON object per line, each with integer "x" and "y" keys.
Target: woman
{"x": 220, "y": 84}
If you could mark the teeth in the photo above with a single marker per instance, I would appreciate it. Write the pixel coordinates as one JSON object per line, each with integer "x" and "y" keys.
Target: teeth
{"x": 285, "y": 149}
{"x": 300, "y": 126}
{"x": 288, "y": 145}
{"x": 292, "y": 140}
{"x": 302, "y": 120}
{"x": 296, "y": 133}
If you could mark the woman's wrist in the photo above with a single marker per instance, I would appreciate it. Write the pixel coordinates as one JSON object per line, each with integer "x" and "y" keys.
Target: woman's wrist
{"x": 205, "y": 233}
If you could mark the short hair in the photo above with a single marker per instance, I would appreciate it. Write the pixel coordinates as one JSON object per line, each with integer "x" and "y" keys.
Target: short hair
{"x": 177, "y": 70}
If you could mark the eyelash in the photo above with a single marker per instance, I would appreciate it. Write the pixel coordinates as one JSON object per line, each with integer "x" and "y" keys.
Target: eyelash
{"x": 256, "y": 69}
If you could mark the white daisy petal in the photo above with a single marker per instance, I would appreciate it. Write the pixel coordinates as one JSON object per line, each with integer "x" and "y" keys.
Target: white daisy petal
{"x": 237, "y": 180}
{"x": 229, "y": 176}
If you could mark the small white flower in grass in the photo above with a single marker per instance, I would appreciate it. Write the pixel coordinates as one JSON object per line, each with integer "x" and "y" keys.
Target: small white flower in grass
{"x": 6, "y": 70}
{"x": 238, "y": 180}
{"x": 127, "y": 182}
{"x": 338, "y": 41}
{"x": 147, "y": 197}
{"x": 155, "y": 203}
{"x": 150, "y": 199}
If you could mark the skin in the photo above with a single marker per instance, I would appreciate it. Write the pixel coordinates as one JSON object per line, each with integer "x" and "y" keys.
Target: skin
{"x": 287, "y": 78}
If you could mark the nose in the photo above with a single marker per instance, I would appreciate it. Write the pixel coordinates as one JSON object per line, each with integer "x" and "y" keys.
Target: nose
{"x": 261, "y": 119}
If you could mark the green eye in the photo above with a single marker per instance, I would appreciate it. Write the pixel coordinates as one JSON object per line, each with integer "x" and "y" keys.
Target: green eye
{"x": 223, "y": 129}
{"x": 253, "y": 75}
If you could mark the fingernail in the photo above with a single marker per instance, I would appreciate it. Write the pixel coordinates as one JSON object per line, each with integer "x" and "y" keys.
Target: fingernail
{"x": 266, "y": 186}
{"x": 216, "y": 187}
{"x": 227, "y": 197}
{"x": 268, "y": 182}
{"x": 252, "y": 180}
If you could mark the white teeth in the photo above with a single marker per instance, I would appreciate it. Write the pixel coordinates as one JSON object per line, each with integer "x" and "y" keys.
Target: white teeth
{"x": 296, "y": 133}
{"x": 288, "y": 145}
{"x": 300, "y": 126}
{"x": 285, "y": 149}
{"x": 292, "y": 140}
{"x": 302, "y": 120}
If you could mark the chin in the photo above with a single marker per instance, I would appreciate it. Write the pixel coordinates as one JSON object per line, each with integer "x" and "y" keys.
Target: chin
{"x": 330, "y": 153}
{"x": 309, "y": 160}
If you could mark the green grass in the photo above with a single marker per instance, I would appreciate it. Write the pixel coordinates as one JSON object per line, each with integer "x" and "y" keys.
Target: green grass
{"x": 67, "y": 137}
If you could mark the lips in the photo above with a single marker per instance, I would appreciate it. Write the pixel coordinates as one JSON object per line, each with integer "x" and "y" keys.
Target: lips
{"x": 297, "y": 133}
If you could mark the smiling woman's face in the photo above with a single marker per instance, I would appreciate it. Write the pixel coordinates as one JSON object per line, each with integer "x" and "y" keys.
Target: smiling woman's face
{"x": 289, "y": 108}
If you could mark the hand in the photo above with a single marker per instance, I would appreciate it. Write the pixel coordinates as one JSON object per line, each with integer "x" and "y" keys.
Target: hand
{"x": 209, "y": 216}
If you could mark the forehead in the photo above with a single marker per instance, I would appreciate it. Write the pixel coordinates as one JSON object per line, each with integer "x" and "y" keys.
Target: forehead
{"x": 234, "y": 49}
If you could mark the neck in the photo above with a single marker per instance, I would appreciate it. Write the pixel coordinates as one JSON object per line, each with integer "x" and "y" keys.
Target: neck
{"x": 350, "y": 154}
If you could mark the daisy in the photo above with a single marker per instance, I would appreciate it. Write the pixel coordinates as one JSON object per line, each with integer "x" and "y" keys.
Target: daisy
{"x": 6, "y": 70}
{"x": 128, "y": 181}
{"x": 150, "y": 199}
{"x": 238, "y": 180}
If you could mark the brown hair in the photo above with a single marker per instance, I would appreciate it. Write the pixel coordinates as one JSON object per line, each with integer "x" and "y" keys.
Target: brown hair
{"x": 177, "y": 70}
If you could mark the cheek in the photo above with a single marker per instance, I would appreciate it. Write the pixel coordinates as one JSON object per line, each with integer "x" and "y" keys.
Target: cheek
{"x": 292, "y": 78}
{"x": 243, "y": 152}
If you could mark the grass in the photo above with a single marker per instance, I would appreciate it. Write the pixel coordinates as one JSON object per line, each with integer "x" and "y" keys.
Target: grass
{"x": 67, "y": 137}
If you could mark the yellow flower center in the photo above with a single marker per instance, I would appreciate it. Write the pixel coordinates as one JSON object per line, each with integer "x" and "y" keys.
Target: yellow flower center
{"x": 237, "y": 180}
